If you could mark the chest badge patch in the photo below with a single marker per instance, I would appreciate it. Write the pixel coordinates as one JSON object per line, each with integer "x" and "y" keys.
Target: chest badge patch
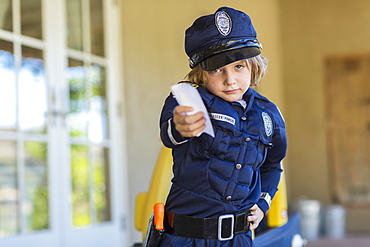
{"x": 223, "y": 22}
{"x": 267, "y": 123}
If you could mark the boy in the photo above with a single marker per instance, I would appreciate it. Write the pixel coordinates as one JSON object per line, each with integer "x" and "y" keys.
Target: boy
{"x": 222, "y": 186}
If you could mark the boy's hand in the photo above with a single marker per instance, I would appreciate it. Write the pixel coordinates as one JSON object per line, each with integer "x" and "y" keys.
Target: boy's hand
{"x": 255, "y": 217}
{"x": 188, "y": 125}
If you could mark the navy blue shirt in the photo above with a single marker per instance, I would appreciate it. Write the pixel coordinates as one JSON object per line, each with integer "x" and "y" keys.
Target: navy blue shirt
{"x": 226, "y": 174}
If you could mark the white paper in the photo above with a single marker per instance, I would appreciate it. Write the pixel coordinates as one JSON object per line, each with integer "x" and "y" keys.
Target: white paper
{"x": 187, "y": 95}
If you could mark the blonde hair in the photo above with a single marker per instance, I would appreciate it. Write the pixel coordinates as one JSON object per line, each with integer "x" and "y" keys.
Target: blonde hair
{"x": 257, "y": 66}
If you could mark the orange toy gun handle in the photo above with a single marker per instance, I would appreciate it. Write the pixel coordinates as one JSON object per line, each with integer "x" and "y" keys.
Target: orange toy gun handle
{"x": 159, "y": 216}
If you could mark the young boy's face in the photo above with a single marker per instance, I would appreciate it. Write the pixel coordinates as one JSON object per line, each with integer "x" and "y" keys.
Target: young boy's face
{"x": 229, "y": 82}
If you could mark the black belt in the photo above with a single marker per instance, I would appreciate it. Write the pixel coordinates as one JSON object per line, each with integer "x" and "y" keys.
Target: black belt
{"x": 221, "y": 228}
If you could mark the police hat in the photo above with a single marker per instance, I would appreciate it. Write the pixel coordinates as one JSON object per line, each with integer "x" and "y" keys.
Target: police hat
{"x": 221, "y": 38}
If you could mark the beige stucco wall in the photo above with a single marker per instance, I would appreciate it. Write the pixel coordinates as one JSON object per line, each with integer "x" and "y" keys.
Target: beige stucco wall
{"x": 312, "y": 30}
{"x": 154, "y": 59}
{"x": 297, "y": 36}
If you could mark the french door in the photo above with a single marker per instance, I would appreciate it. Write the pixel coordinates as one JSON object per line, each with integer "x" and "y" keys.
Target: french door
{"x": 59, "y": 125}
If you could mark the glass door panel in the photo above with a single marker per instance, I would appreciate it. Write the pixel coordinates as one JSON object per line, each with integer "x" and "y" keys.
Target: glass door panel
{"x": 94, "y": 220}
{"x": 87, "y": 118}
{"x": 74, "y": 24}
{"x": 6, "y": 15}
{"x": 90, "y": 24}
{"x": 36, "y": 202}
{"x": 80, "y": 186}
{"x": 102, "y": 201}
{"x": 32, "y": 92}
{"x": 31, "y": 18}
{"x": 77, "y": 117}
{"x": 90, "y": 185}
{"x": 97, "y": 27}
{"x": 98, "y": 114}
{"x": 88, "y": 105}
{"x": 87, "y": 122}
{"x": 9, "y": 193}
{"x": 8, "y": 92}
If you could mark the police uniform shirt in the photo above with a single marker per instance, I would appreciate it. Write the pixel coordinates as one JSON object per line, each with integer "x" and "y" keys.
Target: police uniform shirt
{"x": 226, "y": 174}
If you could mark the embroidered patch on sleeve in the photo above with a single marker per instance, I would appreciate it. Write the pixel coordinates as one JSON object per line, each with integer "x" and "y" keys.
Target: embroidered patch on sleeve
{"x": 267, "y": 123}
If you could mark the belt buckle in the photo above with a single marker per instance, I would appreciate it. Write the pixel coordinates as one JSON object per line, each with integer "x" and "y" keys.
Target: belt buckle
{"x": 220, "y": 224}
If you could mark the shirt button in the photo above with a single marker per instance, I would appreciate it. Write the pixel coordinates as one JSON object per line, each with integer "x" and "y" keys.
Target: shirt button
{"x": 247, "y": 139}
{"x": 238, "y": 166}
{"x": 243, "y": 118}
{"x": 228, "y": 198}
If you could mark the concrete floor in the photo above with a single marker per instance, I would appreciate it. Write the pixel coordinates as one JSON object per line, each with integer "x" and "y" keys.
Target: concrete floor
{"x": 349, "y": 241}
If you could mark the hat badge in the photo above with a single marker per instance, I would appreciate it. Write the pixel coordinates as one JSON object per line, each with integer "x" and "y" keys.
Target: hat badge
{"x": 223, "y": 22}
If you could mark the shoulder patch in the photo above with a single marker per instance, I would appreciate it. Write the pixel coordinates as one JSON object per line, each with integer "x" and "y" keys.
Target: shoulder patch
{"x": 267, "y": 123}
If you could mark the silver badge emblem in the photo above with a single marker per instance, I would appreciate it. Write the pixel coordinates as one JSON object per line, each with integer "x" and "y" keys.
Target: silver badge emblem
{"x": 267, "y": 122}
{"x": 223, "y": 22}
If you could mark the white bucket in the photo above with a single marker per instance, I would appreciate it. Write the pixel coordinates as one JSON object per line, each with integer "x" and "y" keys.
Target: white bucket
{"x": 335, "y": 221}
{"x": 310, "y": 218}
